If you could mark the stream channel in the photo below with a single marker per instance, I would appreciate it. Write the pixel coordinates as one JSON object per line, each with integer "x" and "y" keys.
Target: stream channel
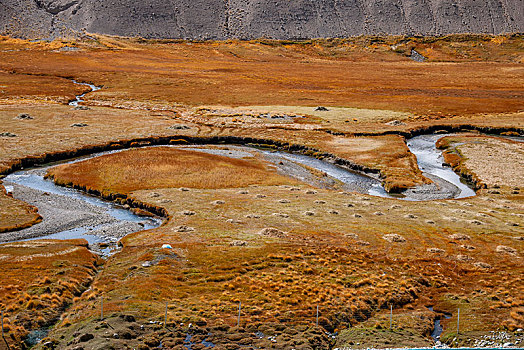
{"x": 69, "y": 213}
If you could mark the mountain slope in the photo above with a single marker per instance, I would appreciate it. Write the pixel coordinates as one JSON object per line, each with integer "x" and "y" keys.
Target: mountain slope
{"x": 245, "y": 19}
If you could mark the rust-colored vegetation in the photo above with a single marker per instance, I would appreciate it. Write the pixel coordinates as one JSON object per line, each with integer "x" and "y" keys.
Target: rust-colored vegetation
{"x": 39, "y": 280}
{"x": 15, "y": 214}
{"x": 239, "y": 231}
{"x": 164, "y": 167}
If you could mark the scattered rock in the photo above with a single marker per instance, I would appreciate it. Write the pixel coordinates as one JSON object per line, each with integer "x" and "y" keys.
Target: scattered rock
{"x": 395, "y": 123}
{"x": 482, "y": 265}
{"x": 260, "y": 196}
{"x": 460, "y": 237}
{"x": 238, "y": 243}
{"x": 378, "y": 213}
{"x": 282, "y": 215}
{"x": 188, "y": 212}
{"x": 311, "y": 192}
{"x": 272, "y": 232}
{"x": 363, "y": 243}
{"x": 507, "y": 250}
{"x": 394, "y": 238}
{"x": 184, "y": 189}
{"x": 351, "y": 235}
{"x": 234, "y": 221}
{"x": 81, "y": 108}
{"x": 462, "y": 257}
{"x": 78, "y": 125}
{"x": 283, "y": 201}
{"x": 253, "y": 216}
{"x": 309, "y": 213}
{"x": 410, "y": 216}
{"x": 321, "y": 109}
{"x": 467, "y": 247}
{"x": 357, "y": 215}
{"x": 320, "y": 202}
{"x": 85, "y": 337}
{"x": 24, "y": 116}
{"x": 243, "y": 192}
{"x": 179, "y": 127}
{"x": 334, "y": 212}
{"x": 183, "y": 228}
{"x": 435, "y": 250}
{"x": 218, "y": 202}
{"x": 7, "y": 134}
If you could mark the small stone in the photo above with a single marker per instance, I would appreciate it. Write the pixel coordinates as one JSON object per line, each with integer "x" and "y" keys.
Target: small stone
{"x": 238, "y": 243}
{"x": 505, "y": 249}
{"x": 272, "y": 232}
{"x": 78, "y": 125}
{"x": 394, "y": 238}
{"x": 86, "y": 337}
{"x": 321, "y": 109}
{"x": 435, "y": 250}
{"x": 179, "y": 127}
{"x": 460, "y": 237}
{"x": 24, "y": 116}
{"x": 184, "y": 228}
{"x": 7, "y": 134}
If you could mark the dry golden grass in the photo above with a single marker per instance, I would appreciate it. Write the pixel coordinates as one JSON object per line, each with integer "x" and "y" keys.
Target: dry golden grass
{"x": 164, "y": 167}
{"x": 318, "y": 260}
{"x": 335, "y": 257}
{"x": 361, "y": 74}
{"x": 39, "y": 280}
{"x": 492, "y": 162}
{"x": 15, "y": 214}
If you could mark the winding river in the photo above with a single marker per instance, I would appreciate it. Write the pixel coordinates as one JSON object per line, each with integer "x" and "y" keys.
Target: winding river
{"x": 69, "y": 213}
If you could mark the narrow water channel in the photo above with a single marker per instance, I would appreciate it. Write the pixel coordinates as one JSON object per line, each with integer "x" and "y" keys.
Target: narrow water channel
{"x": 69, "y": 213}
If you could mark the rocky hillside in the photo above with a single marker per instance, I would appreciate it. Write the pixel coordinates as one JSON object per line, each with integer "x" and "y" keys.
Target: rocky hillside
{"x": 244, "y": 19}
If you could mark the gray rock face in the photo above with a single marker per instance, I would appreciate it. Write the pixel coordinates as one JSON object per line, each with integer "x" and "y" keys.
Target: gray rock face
{"x": 246, "y": 19}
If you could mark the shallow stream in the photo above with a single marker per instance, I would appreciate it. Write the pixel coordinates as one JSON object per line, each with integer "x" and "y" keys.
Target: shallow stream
{"x": 69, "y": 213}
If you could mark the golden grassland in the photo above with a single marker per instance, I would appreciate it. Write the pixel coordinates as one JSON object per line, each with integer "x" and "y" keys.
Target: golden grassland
{"x": 16, "y": 214}
{"x": 489, "y": 161}
{"x": 331, "y": 248}
{"x": 39, "y": 280}
{"x": 366, "y": 74}
{"x": 160, "y": 167}
{"x": 337, "y": 257}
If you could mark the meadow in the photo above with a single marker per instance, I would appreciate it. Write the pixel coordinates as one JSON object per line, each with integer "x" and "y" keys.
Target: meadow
{"x": 238, "y": 230}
